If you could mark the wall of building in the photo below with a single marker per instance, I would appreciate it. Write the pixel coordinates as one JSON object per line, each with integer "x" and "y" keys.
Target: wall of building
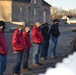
{"x": 35, "y": 13}
{"x": 20, "y": 12}
{"x": 48, "y": 15}
{"x": 24, "y": 12}
{"x": 6, "y": 11}
{"x": 39, "y": 16}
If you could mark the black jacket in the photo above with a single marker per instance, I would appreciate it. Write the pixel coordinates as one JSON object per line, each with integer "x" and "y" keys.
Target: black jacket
{"x": 54, "y": 30}
{"x": 45, "y": 32}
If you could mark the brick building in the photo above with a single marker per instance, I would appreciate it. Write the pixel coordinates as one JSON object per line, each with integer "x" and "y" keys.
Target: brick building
{"x": 28, "y": 11}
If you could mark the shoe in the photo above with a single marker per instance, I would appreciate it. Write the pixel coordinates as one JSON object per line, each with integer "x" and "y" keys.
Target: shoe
{"x": 36, "y": 65}
{"x": 52, "y": 56}
{"x": 18, "y": 74}
{"x": 39, "y": 64}
{"x": 29, "y": 69}
{"x": 42, "y": 58}
{"x": 47, "y": 58}
{"x": 26, "y": 70}
{"x": 15, "y": 74}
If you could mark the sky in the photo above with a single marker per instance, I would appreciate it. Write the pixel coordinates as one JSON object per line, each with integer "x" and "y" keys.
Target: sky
{"x": 63, "y": 4}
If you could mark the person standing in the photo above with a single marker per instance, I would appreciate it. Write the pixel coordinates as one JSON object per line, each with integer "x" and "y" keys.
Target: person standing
{"x": 3, "y": 49}
{"x": 37, "y": 42}
{"x": 26, "y": 54}
{"x": 54, "y": 31}
{"x": 45, "y": 32}
{"x": 19, "y": 46}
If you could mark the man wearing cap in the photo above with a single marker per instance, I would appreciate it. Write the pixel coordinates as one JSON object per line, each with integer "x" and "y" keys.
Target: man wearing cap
{"x": 54, "y": 31}
{"x": 19, "y": 46}
{"x": 3, "y": 49}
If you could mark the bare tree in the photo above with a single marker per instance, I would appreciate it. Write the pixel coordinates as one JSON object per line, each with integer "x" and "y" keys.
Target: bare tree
{"x": 72, "y": 12}
{"x": 54, "y": 12}
{"x": 57, "y": 12}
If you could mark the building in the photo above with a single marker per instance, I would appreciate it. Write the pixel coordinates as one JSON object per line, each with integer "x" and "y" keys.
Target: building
{"x": 64, "y": 19}
{"x": 28, "y": 11}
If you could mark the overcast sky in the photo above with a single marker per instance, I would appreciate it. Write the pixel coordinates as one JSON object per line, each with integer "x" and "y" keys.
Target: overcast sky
{"x": 64, "y": 4}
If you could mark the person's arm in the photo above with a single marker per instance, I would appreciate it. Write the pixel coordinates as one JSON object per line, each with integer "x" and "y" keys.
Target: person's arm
{"x": 1, "y": 50}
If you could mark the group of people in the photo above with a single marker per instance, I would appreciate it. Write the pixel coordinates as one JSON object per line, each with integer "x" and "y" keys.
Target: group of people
{"x": 21, "y": 42}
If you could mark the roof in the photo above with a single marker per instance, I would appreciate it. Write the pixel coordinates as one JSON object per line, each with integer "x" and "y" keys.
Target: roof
{"x": 45, "y": 3}
{"x": 28, "y": 1}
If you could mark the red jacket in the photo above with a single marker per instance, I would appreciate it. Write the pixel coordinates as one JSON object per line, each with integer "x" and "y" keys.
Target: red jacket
{"x": 18, "y": 41}
{"x": 27, "y": 39}
{"x": 37, "y": 35}
{"x": 3, "y": 44}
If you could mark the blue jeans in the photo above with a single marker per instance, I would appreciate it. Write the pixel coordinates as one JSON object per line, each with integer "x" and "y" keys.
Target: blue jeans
{"x": 3, "y": 63}
{"x": 53, "y": 49}
{"x": 18, "y": 60}
{"x": 44, "y": 51}
{"x": 36, "y": 53}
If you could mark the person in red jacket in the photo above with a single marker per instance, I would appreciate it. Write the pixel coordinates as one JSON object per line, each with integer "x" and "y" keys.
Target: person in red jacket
{"x": 19, "y": 46}
{"x": 3, "y": 48}
{"x": 26, "y": 54}
{"x": 37, "y": 42}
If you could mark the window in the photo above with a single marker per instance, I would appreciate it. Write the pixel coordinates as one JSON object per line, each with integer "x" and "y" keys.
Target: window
{"x": 34, "y": 11}
{"x": 35, "y": 2}
{"x": 21, "y": 7}
{"x": 44, "y": 16}
{"x": 21, "y": 10}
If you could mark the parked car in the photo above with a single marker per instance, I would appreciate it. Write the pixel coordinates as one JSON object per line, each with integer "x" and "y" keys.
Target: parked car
{"x": 12, "y": 29}
{"x": 7, "y": 30}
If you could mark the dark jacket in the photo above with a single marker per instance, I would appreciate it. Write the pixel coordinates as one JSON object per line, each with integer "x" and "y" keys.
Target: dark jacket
{"x": 54, "y": 30}
{"x": 45, "y": 33}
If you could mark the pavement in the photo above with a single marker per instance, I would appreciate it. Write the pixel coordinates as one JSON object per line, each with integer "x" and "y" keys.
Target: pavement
{"x": 63, "y": 49}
